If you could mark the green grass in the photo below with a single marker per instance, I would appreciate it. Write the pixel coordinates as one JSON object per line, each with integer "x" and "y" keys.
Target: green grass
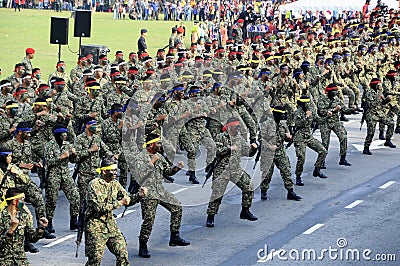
{"x": 31, "y": 28}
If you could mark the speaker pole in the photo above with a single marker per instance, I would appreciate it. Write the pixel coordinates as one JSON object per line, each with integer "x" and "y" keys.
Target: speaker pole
{"x": 80, "y": 46}
{"x": 59, "y": 52}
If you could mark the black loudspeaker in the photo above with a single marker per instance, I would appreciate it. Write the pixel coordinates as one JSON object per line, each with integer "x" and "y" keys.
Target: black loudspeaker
{"x": 59, "y": 30}
{"x": 95, "y": 50}
{"x": 83, "y": 22}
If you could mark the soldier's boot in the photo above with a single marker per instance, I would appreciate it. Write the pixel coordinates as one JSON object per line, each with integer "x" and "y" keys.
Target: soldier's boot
{"x": 47, "y": 235}
{"x": 176, "y": 240}
{"x": 29, "y": 247}
{"x": 292, "y": 196}
{"x": 247, "y": 215}
{"x": 168, "y": 178}
{"x": 193, "y": 178}
{"x": 358, "y": 109}
{"x": 210, "y": 220}
{"x": 143, "y": 252}
{"x": 50, "y": 227}
{"x": 397, "y": 130}
{"x": 367, "y": 151}
{"x": 389, "y": 144}
{"x": 264, "y": 195}
{"x": 73, "y": 222}
{"x": 317, "y": 173}
{"x": 343, "y": 118}
{"x": 299, "y": 182}
{"x": 381, "y": 135}
{"x": 343, "y": 161}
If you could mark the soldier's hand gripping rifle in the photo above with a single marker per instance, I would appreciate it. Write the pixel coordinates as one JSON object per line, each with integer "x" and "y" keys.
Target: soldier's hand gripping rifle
{"x": 214, "y": 164}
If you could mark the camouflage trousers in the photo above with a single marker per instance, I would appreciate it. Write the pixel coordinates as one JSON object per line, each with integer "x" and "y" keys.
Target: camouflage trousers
{"x": 97, "y": 237}
{"x": 281, "y": 160}
{"x": 313, "y": 144}
{"x": 350, "y": 84}
{"x": 371, "y": 125}
{"x": 220, "y": 181}
{"x": 393, "y": 109}
{"x": 34, "y": 194}
{"x": 193, "y": 146}
{"x": 149, "y": 208}
{"x": 340, "y": 132}
{"x": 55, "y": 182}
{"x": 350, "y": 93}
{"x": 123, "y": 172}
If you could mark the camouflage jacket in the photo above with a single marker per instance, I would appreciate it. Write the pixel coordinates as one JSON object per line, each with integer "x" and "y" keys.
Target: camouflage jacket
{"x": 52, "y": 153}
{"x": 151, "y": 176}
{"x": 90, "y": 160}
{"x": 112, "y": 135}
{"x": 102, "y": 198}
{"x": 12, "y": 248}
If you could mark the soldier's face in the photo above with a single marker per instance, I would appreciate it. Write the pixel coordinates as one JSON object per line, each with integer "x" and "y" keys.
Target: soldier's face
{"x": 110, "y": 174}
{"x": 9, "y": 159}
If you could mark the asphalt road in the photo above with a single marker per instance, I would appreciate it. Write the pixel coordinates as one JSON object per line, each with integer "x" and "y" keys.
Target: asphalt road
{"x": 354, "y": 211}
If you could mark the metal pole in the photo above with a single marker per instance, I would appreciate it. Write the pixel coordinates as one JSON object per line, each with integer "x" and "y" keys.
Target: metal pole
{"x": 59, "y": 52}
{"x": 80, "y": 44}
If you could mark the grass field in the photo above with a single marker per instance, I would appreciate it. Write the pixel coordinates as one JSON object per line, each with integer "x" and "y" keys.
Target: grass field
{"x": 31, "y": 28}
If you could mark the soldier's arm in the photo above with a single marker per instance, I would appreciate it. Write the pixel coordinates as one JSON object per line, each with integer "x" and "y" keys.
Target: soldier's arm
{"x": 81, "y": 150}
{"x": 104, "y": 150}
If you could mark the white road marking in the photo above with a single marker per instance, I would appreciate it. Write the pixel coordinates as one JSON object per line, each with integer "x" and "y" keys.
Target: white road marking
{"x": 312, "y": 229}
{"x": 388, "y": 184}
{"x": 58, "y": 241}
{"x": 377, "y": 144}
{"x": 179, "y": 190}
{"x": 352, "y": 205}
{"x": 126, "y": 213}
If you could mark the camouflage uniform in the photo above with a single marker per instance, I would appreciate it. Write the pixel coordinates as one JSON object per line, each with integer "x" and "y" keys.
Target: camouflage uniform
{"x": 12, "y": 248}
{"x": 331, "y": 123}
{"x": 101, "y": 228}
{"x": 59, "y": 178}
{"x": 89, "y": 161}
{"x": 375, "y": 113}
{"x": 112, "y": 137}
{"x": 150, "y": 176}
{"x": 228, "y": 169}
{"x": 22, "y": 153}
{"x": 281, "y": 160}
{"x": 303, "y": 138}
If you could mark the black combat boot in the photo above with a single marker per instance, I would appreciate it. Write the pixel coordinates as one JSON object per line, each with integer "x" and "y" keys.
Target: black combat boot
{"x": 210, "y": 220}
{"x": 264, "y": 195}
{"x": 193, "y": 178}
{"x": 343, "y": 118}
{"x": 47, "y": 235}
{"x": 381, "y": 135}
{"x": 292, "y": 196}
{"x": 143, "y": 252}
{"x": 397, "y": 130}
{"x": 367, "y": 151}
{"x": 50, "y": 227}
{"x": 73, "y": 222}
{"x": 343, "y": 161}
{"x": 176, "y": 240}
{"x": 317, "y": 172}
{"x": 29, "y": 247}
{"x": 389, "y": 144}
{"x": 247, "y": 215}
{"x": 169, "y": 179}
{"x": 298, "y": 181}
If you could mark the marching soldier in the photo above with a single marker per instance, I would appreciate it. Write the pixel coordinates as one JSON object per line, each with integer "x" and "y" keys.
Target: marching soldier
{"x": 329, "y": 107}
{"x": 303, "y": 138}
{"x": 151, "y": 167}
{"x": 57, "y": 153}
{"x": 230, "y": 147}
{"x": 105, "y": 194}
